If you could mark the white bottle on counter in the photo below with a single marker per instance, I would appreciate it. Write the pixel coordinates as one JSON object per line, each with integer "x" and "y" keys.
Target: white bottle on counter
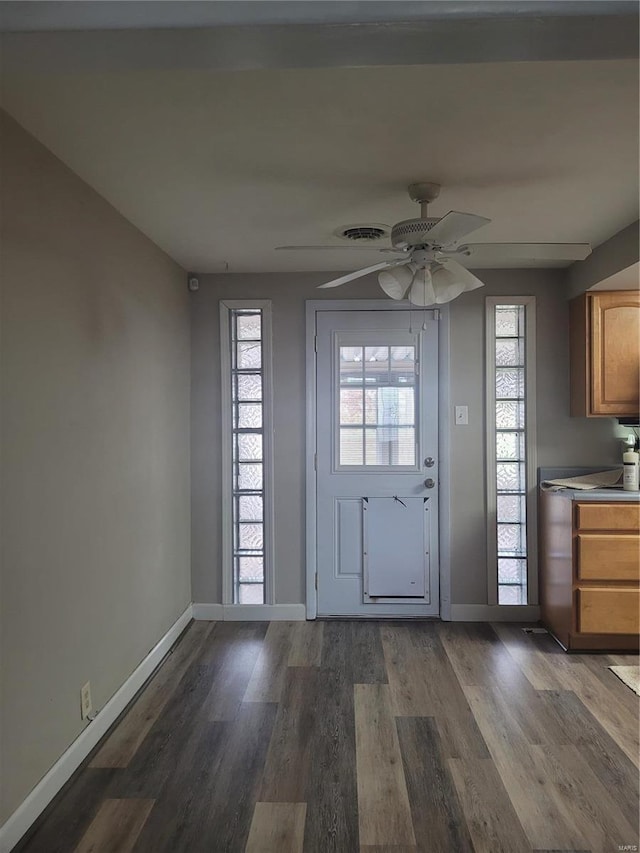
{"x": 630, "y": 467}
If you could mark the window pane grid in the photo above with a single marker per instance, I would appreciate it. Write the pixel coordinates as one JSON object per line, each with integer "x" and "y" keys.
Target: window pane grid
{"x": 509, "y": 367}
{"x": 248, "y": 545}
{"x": 377, "y": 406}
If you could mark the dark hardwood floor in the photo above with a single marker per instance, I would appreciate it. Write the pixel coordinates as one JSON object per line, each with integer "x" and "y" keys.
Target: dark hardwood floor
{"x": 361, "y": 737}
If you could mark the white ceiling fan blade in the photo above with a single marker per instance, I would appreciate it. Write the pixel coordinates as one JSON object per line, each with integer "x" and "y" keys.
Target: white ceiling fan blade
{"x": 505, "y": 253}
{"x": 320, "y": 248}
{"x": 359, "y": 273}
{"x": 361, "y": 247}
{"x": 461, "y": 274}
{"x": 454, "y": 226}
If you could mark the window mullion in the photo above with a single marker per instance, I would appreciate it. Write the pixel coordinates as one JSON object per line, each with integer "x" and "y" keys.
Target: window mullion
{"x": 508, "y": 478}
{"x": 246, "y": 413}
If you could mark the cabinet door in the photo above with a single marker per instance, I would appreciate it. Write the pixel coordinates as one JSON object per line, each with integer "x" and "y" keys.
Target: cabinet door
{"x": 608, "y": 610}
{"x": 615, "y": 353}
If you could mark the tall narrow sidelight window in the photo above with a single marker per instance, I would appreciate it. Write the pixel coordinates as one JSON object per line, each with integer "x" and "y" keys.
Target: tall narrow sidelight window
{"x": 247, "y": 533}
{"x": 510, "y": 463}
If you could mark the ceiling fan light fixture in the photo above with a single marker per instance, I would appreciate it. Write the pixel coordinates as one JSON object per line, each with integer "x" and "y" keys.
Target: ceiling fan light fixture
{"x": 421, "y": 292}
{"x": 450, "y": 279}
{"x": 446, "y": 286}
{"x": 396, "y": 282}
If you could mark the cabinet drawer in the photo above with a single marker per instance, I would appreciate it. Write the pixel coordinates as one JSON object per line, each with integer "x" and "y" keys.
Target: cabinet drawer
{"x": 608, "y": 556}
{"x": 608, "y": 611}
{"x": 608, "y": 516}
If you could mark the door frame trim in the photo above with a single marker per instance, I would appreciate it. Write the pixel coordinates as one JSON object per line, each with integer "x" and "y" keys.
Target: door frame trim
{"x": 312, "y": 308}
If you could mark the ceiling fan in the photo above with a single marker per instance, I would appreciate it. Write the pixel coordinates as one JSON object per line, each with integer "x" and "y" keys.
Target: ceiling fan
{"x": 433, "y": 266}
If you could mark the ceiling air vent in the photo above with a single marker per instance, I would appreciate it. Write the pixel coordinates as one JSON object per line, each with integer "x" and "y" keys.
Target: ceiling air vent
{"x": 362, "y": 233}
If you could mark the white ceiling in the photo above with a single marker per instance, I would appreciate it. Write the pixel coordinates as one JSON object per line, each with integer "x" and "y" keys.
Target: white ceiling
{"x": 52, "y": 15}
{"x": 219, "y": 166}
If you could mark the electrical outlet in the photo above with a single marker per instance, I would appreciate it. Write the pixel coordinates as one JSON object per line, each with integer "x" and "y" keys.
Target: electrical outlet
{"x": 85, "y": 700}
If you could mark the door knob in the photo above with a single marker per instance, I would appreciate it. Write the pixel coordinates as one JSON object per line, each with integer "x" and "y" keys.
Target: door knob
{"x": 429, "y": 483}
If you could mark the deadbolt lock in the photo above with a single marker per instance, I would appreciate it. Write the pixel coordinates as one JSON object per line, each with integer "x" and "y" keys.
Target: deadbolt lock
{"x": 429, "y": 462}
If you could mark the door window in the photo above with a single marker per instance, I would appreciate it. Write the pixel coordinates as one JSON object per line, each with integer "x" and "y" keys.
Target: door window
{"x": 377, "y": 406}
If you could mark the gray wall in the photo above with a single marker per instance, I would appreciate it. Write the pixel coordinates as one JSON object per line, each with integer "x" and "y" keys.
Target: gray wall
{"x": 615, "y": 254}
{"x": 561, "y": 439}
{"x": 95, "y": 454}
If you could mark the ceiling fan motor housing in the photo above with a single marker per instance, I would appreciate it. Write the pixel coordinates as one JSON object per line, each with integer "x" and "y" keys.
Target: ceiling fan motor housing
{"x": 412, "y": 232}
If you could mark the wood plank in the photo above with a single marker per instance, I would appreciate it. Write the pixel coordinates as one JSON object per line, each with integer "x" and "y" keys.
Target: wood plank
{"x": 62, "y": 825}
{"x": 623, "y": 659}
{"x": 269, "y": 674}
{"x": 207, "y": 777}
{"x": 424, "y": 684}
{"x": 229, "y": 637}
{"x": 599, "y": 665}
{"x": 174, "y": 733}
{"x": 332, "y": 805}
{"x": 612, "y": 714}
{"x": 383, "y": 803}
{"x": 387, "y": 848}
{"x": 608, "y": 762}
{"x": 229, "y": 774}
{"x": 479, "y": 658}
{"x": 239, "y": 777}
{"x": 213, "y": 811}
{"x": 277, "y": 828}
{"x": 130, "y": 731}
{"x": 411, "y": 695}
{"x": 438, "y": 819}
{"x": 542, "y": 672}
{"x": 544, "y": 819}
{"x": 288, "y": 759}
{"x": 182, "y": 807}
{"x": 493, "y": 824}
{"x": 233, "y": 651}
{"x": 306, "y": 643}
{"x": 116, "y": 827}
{"x": 354, "y": 648}
{"x": 595, "y": 813}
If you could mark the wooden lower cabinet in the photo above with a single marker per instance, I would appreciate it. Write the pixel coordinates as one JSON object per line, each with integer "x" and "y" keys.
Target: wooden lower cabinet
{"x": 608, "y": 610}
{"x": 590, "y": 572}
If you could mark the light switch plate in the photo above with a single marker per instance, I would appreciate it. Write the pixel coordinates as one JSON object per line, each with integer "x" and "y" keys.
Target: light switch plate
{"x": 462, "y": 415}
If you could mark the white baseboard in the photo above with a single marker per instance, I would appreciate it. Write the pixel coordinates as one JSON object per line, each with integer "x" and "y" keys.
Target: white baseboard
{"x": 25, "y": 815}
{"x": 250, "y": 612}
{"x": 208, "y": 612}
{"x": 495, "y": 613}
{"x": 297, "y": 612}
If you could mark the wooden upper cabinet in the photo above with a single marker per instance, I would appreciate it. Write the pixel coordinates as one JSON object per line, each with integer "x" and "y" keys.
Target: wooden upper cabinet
{"x": 605, "y": 354}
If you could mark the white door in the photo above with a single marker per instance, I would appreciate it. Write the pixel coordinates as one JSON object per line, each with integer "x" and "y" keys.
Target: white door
{"x": 377, "y": 464}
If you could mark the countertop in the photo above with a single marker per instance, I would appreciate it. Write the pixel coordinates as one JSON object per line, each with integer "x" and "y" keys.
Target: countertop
{"x": 613, "y": 494}
{"x": 596, "y": 494}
